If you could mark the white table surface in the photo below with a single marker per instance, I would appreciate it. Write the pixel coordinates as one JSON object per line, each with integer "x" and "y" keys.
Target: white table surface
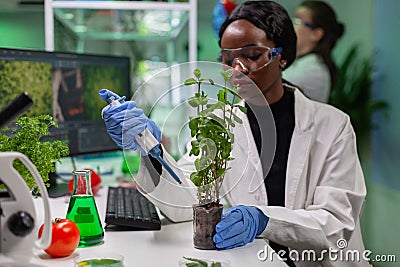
{"x": 150, "y": 248}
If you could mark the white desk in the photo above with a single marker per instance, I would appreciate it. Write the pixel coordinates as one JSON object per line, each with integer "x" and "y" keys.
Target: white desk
{"x": 152, "y": 248}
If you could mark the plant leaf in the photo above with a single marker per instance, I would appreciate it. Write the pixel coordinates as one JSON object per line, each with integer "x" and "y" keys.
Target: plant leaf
{"x": 236, "y": 118}
{"x": 193, "y": 102}
{"x": 242, "y": 109}
{"x": 227, "y": 74}
{"x": 190, "y": 81}
{"x": 203, "y": 263}
{"x": 197, "y": 73}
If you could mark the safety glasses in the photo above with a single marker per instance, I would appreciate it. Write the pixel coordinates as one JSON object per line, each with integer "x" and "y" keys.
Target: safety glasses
{"x": 297, "y": 21}
{"x": 250, "y": 58}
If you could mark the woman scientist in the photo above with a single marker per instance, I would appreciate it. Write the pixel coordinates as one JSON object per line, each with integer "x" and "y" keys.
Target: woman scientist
{"x": 318, "y": 31}
{"x": 313, "y": 194}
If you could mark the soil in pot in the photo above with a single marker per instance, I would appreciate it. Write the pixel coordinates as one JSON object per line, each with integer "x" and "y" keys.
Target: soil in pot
{"x": 205, "y": 218}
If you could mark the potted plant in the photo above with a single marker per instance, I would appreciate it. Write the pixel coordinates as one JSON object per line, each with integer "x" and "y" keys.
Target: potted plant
{"x": 352, "y": 94}
{"x": 211, "y": 130}
{"x": 27, "y": 139}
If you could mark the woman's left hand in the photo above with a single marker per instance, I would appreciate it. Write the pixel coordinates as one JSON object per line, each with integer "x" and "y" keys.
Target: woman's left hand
{"x": 239, "y": 225}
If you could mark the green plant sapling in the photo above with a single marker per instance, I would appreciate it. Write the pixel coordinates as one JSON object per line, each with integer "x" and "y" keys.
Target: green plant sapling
{"x": 211, "y": 130}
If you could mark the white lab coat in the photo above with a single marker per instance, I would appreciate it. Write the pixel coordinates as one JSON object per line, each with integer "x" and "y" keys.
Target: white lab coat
{"x": 311, "y": 75}
{"x": 325, "y": 189}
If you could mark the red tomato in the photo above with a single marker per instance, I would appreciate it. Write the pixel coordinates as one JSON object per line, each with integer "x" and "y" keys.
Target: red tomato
{"x": 96, "y": 182}
{"x": 65, "y": 237}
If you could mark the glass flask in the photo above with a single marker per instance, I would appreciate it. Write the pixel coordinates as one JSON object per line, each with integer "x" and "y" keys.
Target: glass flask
{"x": 83, "y": 211}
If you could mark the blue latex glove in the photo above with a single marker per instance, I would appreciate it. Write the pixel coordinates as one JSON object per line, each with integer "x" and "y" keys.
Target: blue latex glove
{"x": 239, "y": 225}
{"x": 125, "y": 121}
{"x": 108, "y": 96}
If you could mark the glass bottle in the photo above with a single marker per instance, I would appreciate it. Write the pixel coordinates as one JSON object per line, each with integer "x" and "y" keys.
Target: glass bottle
{"x": 83, "y": 211}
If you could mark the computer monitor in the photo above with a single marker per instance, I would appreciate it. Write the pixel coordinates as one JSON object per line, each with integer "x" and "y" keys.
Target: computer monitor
{"x": 65, "y": 86}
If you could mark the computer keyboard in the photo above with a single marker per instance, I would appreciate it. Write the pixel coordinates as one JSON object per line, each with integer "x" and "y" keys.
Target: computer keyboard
{"x": 128, "y": 209}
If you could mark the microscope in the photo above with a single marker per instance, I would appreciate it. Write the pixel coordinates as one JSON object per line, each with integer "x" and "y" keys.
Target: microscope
{"x": 18, "y": 218}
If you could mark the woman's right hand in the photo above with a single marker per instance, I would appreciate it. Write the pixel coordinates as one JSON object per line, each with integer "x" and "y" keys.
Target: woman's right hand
{"x": 125, "y": 121}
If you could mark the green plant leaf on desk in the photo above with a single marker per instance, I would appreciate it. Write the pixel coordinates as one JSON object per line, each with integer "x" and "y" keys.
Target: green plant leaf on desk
{"x": 200, "y": 263}
{"x": 26, "y": 138}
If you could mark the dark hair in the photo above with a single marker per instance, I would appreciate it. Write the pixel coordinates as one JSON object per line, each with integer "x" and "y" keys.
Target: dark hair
{"x": 323, "y": 16}
{"x": 273, "y": 19}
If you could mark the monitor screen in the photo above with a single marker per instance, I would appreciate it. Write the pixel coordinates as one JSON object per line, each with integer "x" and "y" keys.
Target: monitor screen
{"x": 66, "y": 86}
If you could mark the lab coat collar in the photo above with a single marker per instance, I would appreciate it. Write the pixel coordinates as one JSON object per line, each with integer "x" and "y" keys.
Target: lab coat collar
{"x": 245, "y": 141}
{"x": 304, "y": 110}
{"x": 242, "y": 137}
{"x": 299, "y": 149}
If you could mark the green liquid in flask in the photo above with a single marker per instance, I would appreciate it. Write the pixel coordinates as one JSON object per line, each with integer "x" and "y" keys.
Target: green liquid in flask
{"x": 83, "y": 211}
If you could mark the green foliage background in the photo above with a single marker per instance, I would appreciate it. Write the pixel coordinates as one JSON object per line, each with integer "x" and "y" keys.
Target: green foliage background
{"x": 35, "y": 78}
{"x": 96, "y": 78}
{"x": 17, "y": 77}
{"x": 353, "y": 94}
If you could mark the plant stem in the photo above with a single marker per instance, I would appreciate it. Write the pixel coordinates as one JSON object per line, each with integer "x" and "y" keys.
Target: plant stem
{"x": 198, "y": 91}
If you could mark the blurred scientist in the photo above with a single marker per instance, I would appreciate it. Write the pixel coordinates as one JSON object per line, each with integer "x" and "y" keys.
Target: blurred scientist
{"x": 318, "y": 30}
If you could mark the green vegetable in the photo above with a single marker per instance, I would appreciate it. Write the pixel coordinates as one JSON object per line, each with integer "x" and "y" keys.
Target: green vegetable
{"x": 200, "y": 263}
{"x": 26, "y": 139}
{"x": 101, "y": 263}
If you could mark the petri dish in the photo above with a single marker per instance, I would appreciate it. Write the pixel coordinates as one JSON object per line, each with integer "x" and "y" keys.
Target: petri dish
{"x": 107, "y": 259}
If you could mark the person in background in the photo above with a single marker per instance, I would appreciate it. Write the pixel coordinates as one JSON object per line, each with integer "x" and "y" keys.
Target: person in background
{"x": 67, "y": 94}
{"x": 221, "y": 11}
{"x": 310, "y": 197}
{"x": 318, "y": 30}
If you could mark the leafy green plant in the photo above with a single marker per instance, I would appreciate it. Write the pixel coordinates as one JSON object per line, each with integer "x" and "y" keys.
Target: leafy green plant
{"x": 26, "y": 139}
{"x": 200, "y": 263}
{"x": 212, "y": 135}
{"x": 352, "y": 93}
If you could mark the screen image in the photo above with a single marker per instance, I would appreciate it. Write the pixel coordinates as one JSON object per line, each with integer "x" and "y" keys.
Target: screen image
{"x": 66, "y": 86}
